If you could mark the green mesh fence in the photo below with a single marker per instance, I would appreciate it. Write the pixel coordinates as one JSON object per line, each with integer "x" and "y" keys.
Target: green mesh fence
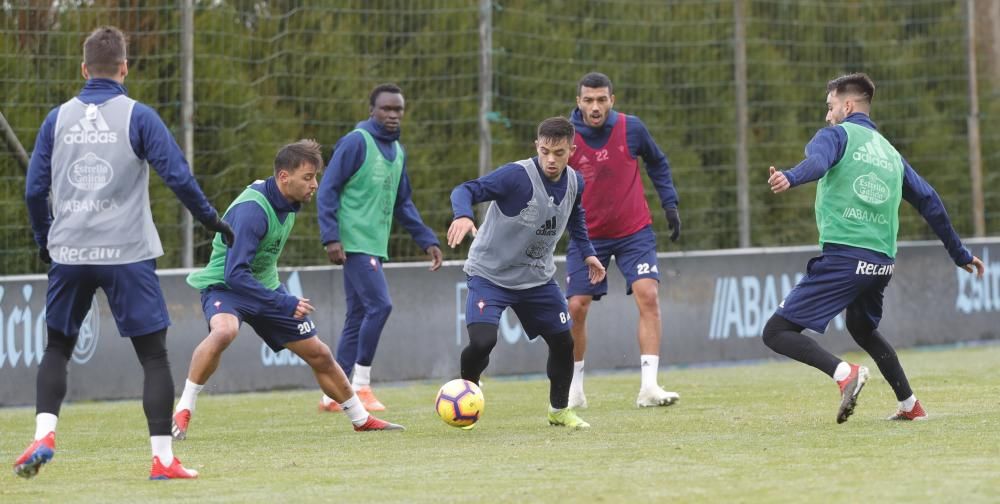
{"x": 270, "y": 72}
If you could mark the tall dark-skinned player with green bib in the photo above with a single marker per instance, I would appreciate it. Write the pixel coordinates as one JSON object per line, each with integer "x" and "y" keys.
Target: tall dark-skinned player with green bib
{"x": 862, "y": 180}
{"x": 365, "y": 188}
{"x": 240, "y": 284}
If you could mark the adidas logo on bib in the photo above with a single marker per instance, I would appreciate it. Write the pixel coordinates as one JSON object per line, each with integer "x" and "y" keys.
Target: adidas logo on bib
{"x": 548, "y": 228}
{"x": 90, "y": 129}
{"x": 872, "y": 153}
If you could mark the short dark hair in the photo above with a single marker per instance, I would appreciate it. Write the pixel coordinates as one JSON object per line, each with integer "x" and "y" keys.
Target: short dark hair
{"x": 555, "y": 129}
{"x": 104, "y": 51}
{"x": 856, "y": 83}
{"x": 594, "y": 80}
{"x": 294, "y": 155}
{"x": 383, "y": 88}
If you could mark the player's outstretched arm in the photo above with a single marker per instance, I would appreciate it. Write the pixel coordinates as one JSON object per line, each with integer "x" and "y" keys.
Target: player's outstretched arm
{"x": 923, "y": 197}
{"x": 155, "y": 144}
{"x": 659, "y": 171}
{"x": 463, "y": 197}
{"x": 406, "y": 213}
{"x": 822, "y": 153}
{"x": 249, "y": 221}
{"x": 38, "y": 185}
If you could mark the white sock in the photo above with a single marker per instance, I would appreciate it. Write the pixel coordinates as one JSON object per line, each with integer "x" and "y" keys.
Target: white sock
{"x": 843, "y": 371}
{"x": 577, "y": 384}
{"x": 327, "y": 400}
{"x": 355, "y": 410}
{"x": 163, "y": 448}
{"x": 907, "y": 404}
{"x": 188, "y": 397}
{"x": 555, "y": 410}
{"x": 650, "y": 366}
{"x": 362, "y": 376}
{"x": 44, "y": 424}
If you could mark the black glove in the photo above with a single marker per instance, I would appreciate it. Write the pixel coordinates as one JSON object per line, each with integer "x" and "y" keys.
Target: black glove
{"x": 674, "y": 223}
{"x": 221, "y": 226}
{"x": 43, "y": 255}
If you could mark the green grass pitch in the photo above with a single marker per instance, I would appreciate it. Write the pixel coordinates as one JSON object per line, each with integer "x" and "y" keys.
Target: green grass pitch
{"x": 749, "y": 433}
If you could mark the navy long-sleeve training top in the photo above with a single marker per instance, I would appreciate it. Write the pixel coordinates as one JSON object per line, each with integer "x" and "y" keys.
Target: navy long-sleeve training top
{"x": 150, "y": 140}
{"x": 640, "y": 145}
{"x": 825, "y": 150}
{"x": 348, "y": 156}
{"x": 510, "y": 187}
{"x": 249, "y": 223}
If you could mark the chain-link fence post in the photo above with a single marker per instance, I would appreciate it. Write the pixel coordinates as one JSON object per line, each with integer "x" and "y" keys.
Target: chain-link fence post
{"x": 187, "y": 119}
{"x": 742, "y": 121}
{"x": 975, "y": 144}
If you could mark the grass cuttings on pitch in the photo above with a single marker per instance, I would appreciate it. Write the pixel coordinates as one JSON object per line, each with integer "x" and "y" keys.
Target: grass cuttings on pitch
{"x": 762, "y": 432}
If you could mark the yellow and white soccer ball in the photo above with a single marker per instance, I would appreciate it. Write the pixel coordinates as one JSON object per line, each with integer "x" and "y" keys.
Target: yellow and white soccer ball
{"x": 460, "y": 403}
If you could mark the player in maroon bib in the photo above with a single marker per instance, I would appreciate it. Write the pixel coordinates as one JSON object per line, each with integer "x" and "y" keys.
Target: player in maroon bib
{"x": 620, "y": 207}
{"x": 619, "y": 223}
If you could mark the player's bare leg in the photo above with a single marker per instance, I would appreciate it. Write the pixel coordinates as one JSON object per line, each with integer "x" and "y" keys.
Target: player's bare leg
{"x": 334, "y": 383}
{"x": 647, "y": 299}
{"x": 205, "y": 360}
{"x": 579, "y": 306}
{"x": 329, "y": 375}
{"x": 223, "y": 328}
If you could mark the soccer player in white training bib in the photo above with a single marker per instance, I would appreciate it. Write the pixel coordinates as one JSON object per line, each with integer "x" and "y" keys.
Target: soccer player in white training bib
{"x": 92, "y": 159}
{"x": 511, "y": 260}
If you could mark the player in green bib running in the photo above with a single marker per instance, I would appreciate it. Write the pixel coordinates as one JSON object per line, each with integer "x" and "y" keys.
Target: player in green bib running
{"x": 861, "y": 181}
{"x": 240, "y": 284}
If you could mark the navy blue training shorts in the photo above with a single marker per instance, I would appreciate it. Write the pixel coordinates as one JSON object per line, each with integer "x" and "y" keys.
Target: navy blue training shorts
{"x": 833, "y": 283}
{"x": 133, "y": 292}
{"x": 274, "y": 327}
{"x": 542, "y": 310}
{"x": 634, "y": 254}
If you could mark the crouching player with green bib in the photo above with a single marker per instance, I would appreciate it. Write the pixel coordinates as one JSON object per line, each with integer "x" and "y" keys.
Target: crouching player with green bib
{"x": 862, "y": 180}
{"x": 511, "y": 261}
{"x": 240, "y": 284}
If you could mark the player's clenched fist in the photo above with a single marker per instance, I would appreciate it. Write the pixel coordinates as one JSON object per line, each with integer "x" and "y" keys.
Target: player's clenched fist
{"x": 335, "y": 251}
